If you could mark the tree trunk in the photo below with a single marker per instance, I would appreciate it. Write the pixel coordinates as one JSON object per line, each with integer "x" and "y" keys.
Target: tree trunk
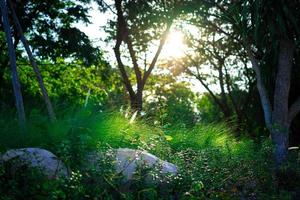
{"x": 123, "y": 35}
{"x": 280, "y": 115}
{"x": 12, "y": 58}
{"x": 136, "y": 102}
{"x": 279, "y": 118}
{"x": 34, "y": 65}
{"x": 280, "y": 139}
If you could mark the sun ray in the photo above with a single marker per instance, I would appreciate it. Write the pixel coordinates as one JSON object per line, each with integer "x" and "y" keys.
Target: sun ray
{"x": 174, "y": 46}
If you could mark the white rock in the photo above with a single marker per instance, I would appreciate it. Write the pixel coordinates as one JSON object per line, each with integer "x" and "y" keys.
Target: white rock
{"x": 38, "y": 158}
{"x": 128, "y": 161}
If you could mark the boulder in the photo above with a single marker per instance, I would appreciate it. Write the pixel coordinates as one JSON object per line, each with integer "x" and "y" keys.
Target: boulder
{"x": 129, "y": 161}
{"x": 34, "y": 158}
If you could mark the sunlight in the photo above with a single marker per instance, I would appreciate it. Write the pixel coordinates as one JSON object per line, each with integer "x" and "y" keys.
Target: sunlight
{"x": 174, "y": 46}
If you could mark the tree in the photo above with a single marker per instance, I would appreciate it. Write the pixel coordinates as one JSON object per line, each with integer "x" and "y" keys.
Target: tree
{"x": 33, "y": 63}
{"x": 12, "y": 59}
{"x": 72, "y": 83}
{"x": 49, "y": 28}
{"x": 209, "y": 112}
{"x": 169, "y": 102}
{"x": 138, "y": 24}
{"x": 269, "y": 34}
{"x": 221, "y": 67}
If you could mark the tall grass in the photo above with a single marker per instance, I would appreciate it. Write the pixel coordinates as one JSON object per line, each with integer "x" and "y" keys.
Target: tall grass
{"x": 93, "y": 126}
{"x": 112, "y": 128}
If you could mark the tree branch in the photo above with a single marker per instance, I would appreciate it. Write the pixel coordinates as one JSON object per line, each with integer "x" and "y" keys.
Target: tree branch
{"x": 14, "y": 72}
{"x": 119, "y": 38}
{"x": 121, "y": 67}
{"x": 126, "y": 38}
{"x": 107, "y": 5}
{"x": 121, "y": 34}
{"x": 248, "y": 97}
{"x": 199, "y": 78}
{"x": 159, "y": 49}
{"x": 33, "y": 63}
{"x": 264, "y": 98}
{"x": 234, "y": 103}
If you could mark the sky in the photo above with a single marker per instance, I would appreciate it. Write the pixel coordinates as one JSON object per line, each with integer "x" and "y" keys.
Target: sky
{"x": 94, "y": 30}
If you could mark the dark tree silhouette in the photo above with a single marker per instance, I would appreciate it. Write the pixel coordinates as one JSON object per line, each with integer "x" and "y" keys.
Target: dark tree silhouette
{"x": 12, "y": 59}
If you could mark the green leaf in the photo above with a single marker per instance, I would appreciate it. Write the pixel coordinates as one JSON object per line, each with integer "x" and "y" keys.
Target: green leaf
{"x": 168, "y": 137}
{"x": 198, "y": 186}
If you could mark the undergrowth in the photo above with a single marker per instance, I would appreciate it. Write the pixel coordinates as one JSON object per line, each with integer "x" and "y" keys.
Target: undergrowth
{"x": 212, "y": 163}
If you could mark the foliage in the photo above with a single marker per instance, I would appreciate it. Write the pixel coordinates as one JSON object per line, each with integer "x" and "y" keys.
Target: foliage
{"x": 208, "y": 110}
{"x": 49, "y": 26}
{"x": 71, "y": 82}
{"x": 146, "y": 21}
{"x": 132, "y": 20}
{"x": 169, "y": 102}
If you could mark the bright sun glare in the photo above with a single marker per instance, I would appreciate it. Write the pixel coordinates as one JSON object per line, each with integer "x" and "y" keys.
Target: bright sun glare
{"x": 174, "y": 46}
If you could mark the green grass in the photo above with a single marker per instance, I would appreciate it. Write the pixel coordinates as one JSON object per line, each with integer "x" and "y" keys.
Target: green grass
{"x": 95, "y": 128}
{"x": 213, "y": 164}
